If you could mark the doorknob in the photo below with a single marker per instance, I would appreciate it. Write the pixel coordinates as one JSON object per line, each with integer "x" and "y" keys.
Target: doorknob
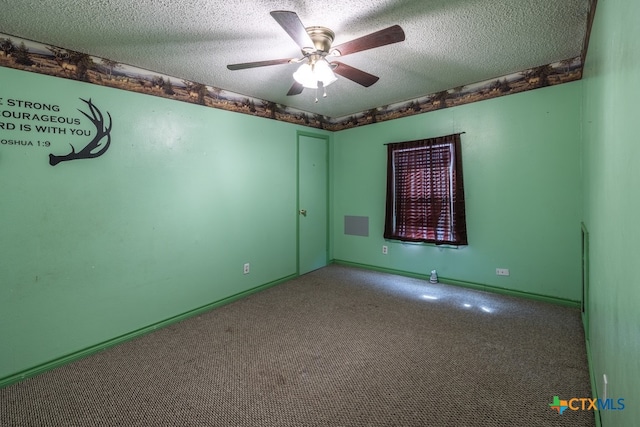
{"x": 303, "y": 212}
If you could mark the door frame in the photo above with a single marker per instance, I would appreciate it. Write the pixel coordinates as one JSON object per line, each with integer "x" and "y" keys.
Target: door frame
{"x": 326, "y": 138}
{"x": 584, "y": 306}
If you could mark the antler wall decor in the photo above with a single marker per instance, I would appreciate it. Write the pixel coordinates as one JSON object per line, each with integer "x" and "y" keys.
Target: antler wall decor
{"x": 94, "y": 148}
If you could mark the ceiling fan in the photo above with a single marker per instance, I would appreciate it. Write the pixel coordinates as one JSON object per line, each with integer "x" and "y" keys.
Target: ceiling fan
{"x": 315, "y": 43}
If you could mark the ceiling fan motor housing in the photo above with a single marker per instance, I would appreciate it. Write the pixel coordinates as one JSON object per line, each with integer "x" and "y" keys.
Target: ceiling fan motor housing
{"x": 322, "y": 38}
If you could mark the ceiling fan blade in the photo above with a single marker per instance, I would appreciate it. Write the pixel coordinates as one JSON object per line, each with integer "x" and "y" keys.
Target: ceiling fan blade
{"x": 354, "y": 74}
{"x": 290, "y": 22}
{"x": 384, "y": 37}
{"x": 296, "y": 89}
{"x": 258, "y": 64}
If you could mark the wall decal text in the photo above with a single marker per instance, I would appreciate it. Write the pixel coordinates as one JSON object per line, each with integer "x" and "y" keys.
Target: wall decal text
{"x": 29, "y": 117}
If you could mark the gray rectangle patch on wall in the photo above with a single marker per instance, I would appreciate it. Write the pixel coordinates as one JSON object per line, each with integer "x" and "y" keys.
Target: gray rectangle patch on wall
{"x": 356, "y": 225}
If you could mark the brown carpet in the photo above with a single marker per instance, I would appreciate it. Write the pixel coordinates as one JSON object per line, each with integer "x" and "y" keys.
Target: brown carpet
{"x": 336, "y": 347}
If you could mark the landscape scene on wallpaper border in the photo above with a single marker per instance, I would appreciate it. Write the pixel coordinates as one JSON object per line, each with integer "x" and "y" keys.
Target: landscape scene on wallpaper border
{"x": 547, "y": 75}
{"x": 51, "y": 60}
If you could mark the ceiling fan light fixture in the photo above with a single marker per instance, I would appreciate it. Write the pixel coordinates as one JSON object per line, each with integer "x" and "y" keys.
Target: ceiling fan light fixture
{"x": 308, "y": 75}
{"x": 305, "y": 76}
{"x": 322, "y": 70}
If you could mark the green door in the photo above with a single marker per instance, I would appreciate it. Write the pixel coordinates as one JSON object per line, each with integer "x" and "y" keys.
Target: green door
{"x": 312, "y": 202}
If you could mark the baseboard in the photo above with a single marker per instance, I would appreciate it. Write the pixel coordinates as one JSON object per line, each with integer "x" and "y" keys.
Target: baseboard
{"x": 466, "y": 284}
{"x": 47, "y": 366}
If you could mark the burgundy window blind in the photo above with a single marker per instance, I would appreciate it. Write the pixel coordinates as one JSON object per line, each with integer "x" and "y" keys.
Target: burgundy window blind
{"x": 425, "y": 193}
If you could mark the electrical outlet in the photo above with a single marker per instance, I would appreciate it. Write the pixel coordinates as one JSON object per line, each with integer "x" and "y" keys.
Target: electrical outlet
{"x": 502, "y": 271}
{"x": 385, "y": 249}
{"x": 246, "y": 268}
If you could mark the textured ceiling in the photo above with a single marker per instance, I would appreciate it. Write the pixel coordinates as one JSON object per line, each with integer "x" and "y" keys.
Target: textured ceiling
{"x": 449, "y": 43}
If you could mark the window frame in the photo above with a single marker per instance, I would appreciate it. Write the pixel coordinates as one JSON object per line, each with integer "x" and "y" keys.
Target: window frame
{"x": 442, "y": 227}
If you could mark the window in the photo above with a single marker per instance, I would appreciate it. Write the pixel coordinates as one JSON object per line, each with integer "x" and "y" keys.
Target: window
{"x": 425, "y": 194}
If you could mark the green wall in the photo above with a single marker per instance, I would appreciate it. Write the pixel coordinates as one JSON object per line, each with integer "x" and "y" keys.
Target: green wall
{"x": 611, "y": 203}
{"x": 91, "y": 250}
{"x": 159, "y": 225}
{"x": 521, "y": 162}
